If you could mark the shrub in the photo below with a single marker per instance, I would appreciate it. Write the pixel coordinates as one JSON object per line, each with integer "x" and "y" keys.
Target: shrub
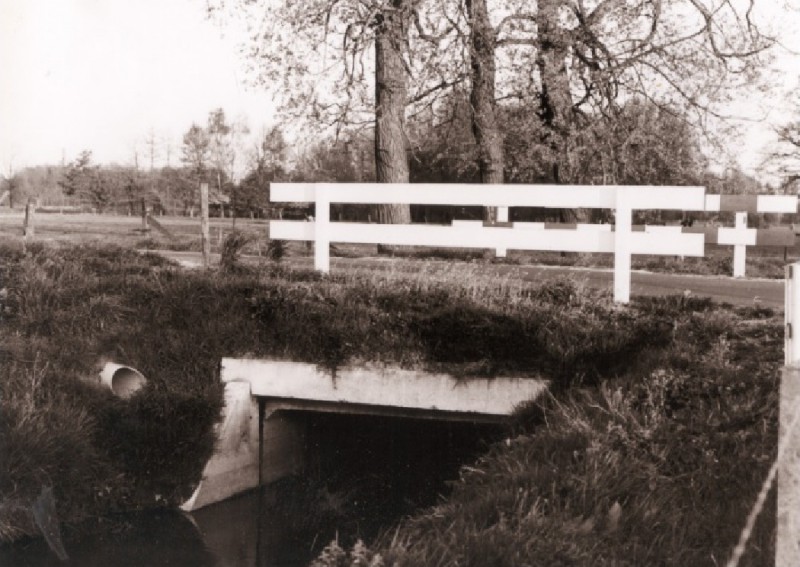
{"x": 231, "y": 250}
{"x": 276, "y": 250}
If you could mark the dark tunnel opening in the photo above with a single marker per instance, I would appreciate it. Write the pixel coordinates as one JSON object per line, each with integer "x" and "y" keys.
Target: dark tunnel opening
{"x": 365, "y": 472}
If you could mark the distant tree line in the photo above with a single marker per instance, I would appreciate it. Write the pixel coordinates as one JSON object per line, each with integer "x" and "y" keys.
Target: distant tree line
{"x": 644, "y": 145}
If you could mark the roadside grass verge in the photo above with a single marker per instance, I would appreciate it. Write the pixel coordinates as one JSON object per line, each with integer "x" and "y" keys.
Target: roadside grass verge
{"x": 666, "y": 406}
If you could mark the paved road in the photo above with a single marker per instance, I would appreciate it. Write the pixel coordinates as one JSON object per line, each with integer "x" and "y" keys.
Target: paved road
{"x": 746, "y": 291}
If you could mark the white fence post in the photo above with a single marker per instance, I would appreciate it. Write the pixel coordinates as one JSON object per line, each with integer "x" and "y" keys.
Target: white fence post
{"x": 502, "y": 216}
{"x": 622, "y": 246}
{"x": 787, "y": 544}
{"x": 322, "y": 229}
{"x": 740, "y": 250}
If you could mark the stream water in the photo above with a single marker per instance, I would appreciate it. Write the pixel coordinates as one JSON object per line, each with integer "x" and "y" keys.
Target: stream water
{"x": 366, "y": 474}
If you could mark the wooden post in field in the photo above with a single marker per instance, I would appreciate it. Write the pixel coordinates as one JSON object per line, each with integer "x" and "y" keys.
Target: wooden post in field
{"x": 205, "y": 239}
{"x": 322, "y": 230}
{"x": 145, "y": 226}
{"x": 787, "y": 544}
{"x": 29, "y": 224}
{"x": 622, "y": 246}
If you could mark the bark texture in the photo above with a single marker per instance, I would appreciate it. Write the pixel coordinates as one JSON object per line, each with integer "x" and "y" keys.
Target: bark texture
{"x": 482, "y": 98}
{"x": 555, "y": 98}
{"x": 391, "y": 160}
{"x": 556, "y": 109}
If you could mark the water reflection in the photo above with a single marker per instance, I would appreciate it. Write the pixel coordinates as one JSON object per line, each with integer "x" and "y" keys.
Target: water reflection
{"x": 152, "y": 539}
{"x": 234, "y": 533}
{"x": 244, "y": 532}
{"x": 363, "y": 474}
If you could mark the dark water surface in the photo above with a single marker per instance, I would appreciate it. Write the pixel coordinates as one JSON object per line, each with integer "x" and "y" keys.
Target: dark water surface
{"x": 363, "y": 475}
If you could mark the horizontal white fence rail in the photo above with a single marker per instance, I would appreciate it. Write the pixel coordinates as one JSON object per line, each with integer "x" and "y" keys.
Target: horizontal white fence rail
{"x": 623, "y": 241}
{"x": 752, "y": 203}
{"x": 469, "y": 234}
{"x": 476, "y": 194}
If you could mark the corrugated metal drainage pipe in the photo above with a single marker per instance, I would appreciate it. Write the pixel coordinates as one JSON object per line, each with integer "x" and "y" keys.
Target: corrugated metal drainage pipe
{"x": 124, "y": 381}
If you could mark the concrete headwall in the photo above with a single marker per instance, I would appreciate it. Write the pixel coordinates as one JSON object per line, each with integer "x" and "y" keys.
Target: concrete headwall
{"x": 382, "y": 387}
{"x": 284, "y": 386}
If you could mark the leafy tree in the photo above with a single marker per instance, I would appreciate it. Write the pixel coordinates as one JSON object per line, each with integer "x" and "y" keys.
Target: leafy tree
{"x": 178, "y": 187}
{"x": 41, "y": 182}
{"x": 568, "y": 62}
{"x": 14, "y": 184}
{"x": 346, "y": 65}
{"x": 268, "y": 163}
{"x": 587, "y": 58}
{"x": 326, "y": 161}
{"x": 84, "y": 180}
{"x": 446, "y": 150}
{"x": 127, "y": 185}
{"x": 220, "y": 148}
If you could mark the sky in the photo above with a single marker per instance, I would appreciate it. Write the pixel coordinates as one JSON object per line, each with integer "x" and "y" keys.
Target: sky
{"x": 103, "y": 74}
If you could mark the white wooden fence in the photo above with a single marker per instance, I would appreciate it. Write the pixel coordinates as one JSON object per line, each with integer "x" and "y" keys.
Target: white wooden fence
{"x": 623, "y": 241}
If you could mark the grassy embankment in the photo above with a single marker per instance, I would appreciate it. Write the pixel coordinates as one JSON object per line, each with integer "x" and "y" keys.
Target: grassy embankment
{"x": 650, "y": 450}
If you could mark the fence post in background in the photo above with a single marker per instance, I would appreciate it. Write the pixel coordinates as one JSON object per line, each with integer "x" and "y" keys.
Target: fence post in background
{"x": 740, "y": 250}
{"x": 787, "y": 543}
{"x": 622, "y": 247}
{"x": 145, "y": 226}
{"x": 29, "y": 225}
{"x": 502, "y": 216}
{"x": 322, "y": 229}
{"x": 204, "y": 235}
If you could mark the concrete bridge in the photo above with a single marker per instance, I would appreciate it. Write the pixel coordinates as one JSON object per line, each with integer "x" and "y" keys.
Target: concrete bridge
{"x": 262, "y": 434}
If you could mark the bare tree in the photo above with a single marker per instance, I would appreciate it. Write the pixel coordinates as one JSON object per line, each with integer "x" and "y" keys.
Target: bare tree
{"x": 351, "y": 64}
{"x": 783, "y": 157}
{"x": 572, "y": 63}
{"x": 687, "y": 56}
{"x": 12, "y": 184}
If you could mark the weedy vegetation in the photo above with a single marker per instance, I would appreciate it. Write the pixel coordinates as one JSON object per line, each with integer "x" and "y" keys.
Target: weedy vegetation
{"x": 659, "y": 428}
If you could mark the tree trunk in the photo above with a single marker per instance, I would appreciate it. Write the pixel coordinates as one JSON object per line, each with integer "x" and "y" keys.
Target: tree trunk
{"x": 482, "y": 98}
{"x": 556, "y": 98}
{"x": 391, "y": 161}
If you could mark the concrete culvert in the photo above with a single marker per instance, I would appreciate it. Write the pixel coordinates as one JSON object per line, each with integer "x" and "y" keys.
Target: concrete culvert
{"x": 124, "y": 381}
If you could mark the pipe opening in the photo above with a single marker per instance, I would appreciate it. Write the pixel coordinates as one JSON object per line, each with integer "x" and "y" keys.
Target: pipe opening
{"x": 122, "y": 380}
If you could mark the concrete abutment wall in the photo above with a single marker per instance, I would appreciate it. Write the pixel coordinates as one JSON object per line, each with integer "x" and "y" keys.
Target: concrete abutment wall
{"x": 234, "y": 467}
{"x": 288, "y": 389}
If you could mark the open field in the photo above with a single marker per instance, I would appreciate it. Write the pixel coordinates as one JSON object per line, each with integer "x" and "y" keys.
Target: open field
{"x": 125, "y": 230}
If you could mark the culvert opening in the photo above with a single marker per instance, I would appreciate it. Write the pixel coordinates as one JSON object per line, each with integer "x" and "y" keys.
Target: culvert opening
{"x": 365, "y": 472}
